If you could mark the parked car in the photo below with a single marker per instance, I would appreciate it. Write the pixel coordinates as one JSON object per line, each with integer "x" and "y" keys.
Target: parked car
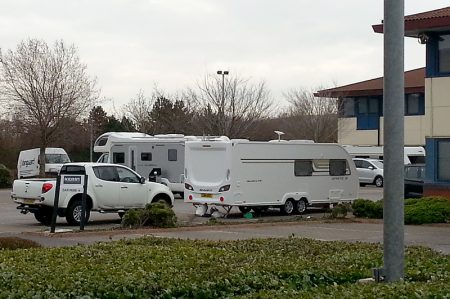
{"x": 370, "y": 171}
{"x": 414, "y": 179}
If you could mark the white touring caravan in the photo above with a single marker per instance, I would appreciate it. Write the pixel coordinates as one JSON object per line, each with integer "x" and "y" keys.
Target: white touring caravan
{"x": 159, "y": 157}
{"x": 28, "y": 162}
{"x": 413, "y": 154}
{"x": 255, "y": 175}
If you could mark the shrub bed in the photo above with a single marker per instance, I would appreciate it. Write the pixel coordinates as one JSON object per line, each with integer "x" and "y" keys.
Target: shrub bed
{"x": 157, "y": 214}
{"x": 427, "y": 210}
{"x": 262, "y": 268}
{"x": 417, "y": 210}
{"x": 367, "y": 208}
{"x": 16, "y": 243}
{"x": 5, "y": 177}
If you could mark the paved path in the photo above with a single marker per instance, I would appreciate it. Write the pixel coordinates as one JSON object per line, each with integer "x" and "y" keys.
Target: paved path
{"x": 436, "y": 237}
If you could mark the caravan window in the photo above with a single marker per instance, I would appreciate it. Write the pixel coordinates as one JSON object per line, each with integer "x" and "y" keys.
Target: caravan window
{"x": 118, "y": 158}
{"x": 339, "y": 167}
{"x": 172, "y": 155}
{"x": 146, "y": 156}
{"x": 303, "y": 167}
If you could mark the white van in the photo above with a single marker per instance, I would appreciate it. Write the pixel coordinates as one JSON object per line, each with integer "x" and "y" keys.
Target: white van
{"x": 28, "y": 162}
{"x": 254, "y": 175}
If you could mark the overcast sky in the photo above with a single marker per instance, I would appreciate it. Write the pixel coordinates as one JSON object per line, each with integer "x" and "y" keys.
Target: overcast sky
{"x": 131, "y": 45}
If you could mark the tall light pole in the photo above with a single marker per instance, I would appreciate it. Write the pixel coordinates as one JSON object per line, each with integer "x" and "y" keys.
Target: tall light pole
{"x": 394, "y": 92}
{"x": 222, "y": 103}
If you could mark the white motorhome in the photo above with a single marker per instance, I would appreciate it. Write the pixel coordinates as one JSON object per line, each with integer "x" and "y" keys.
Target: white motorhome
{"x": 413, "y": 154}
{"x": 146, "y": 154}
{"x": 28, "y": 162}
{"x": 254, "y": 175}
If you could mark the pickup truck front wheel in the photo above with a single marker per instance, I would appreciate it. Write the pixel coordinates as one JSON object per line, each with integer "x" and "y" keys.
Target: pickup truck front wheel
{"x": 44, "y": 215}
{"x": 73, "y": 213}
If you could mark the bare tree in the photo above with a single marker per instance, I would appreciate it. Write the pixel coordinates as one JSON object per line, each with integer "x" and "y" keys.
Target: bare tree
{"x": 139, "y": 110}
{"x": 231, "y": 107}
{"x": 46, "y": 85}
{"x": 311, "y": 117}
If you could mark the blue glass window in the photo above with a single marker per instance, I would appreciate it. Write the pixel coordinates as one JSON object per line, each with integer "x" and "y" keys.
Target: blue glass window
{"x": 368, "y": 114}
{"x": 414, "y": 104}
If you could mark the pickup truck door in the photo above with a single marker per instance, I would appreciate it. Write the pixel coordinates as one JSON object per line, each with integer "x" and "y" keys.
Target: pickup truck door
{"x": 106, "y": 187}
{"x": 132, "y": 193}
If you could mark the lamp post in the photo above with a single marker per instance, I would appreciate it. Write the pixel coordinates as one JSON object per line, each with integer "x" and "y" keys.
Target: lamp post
{"x": 222, "y": 103}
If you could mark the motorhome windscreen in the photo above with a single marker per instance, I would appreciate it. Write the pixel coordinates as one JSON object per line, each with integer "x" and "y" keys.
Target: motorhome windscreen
{"x": 210, "y": 165}
{"x": 56, "y": 158}
{"x": 417, "y": 159}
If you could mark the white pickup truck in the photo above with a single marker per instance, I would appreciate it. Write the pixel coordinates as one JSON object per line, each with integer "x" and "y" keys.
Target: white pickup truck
{"x": 111, "y": 188}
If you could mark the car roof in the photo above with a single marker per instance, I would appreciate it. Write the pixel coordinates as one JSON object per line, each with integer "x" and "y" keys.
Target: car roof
{"x": 368, "y": 159}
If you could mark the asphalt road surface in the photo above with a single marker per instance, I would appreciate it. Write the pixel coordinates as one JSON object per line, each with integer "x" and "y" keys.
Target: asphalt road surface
{"x": 12, "y": 221}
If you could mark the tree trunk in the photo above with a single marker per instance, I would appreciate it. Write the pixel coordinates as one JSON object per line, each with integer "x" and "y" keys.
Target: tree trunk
{"x": 42, "y": 162}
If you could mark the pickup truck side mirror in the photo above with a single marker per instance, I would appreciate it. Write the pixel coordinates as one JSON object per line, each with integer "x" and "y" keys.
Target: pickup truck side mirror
{"x": 142, "y": 180}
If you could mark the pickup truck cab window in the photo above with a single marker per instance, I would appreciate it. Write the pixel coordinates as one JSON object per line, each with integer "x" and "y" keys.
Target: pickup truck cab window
{"x": 106, "y": 173}
{"x": 127, "y": 176}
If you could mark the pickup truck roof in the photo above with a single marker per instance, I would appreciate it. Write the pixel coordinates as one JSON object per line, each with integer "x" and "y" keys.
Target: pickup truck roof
{"x": 79, "y": 167}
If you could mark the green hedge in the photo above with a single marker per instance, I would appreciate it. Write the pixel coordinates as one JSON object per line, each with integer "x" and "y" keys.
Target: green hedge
{"x": 5, "y": 177}
{"x": 262, "y": 268}
{"x": 157, "y": 214}
{"x": 367, "y": 208}
{"x": 427, "y": 210}
{"x": 417, "y": 210}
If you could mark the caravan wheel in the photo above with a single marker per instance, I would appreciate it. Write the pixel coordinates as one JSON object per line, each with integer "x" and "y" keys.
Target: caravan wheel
{"x": 288, "y": 207}
{"x": 244, "y": 210}
{"x": 301, "y": 206}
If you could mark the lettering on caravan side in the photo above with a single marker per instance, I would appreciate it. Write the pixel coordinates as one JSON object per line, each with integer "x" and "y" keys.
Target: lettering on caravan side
{"x": 27, "y": 162}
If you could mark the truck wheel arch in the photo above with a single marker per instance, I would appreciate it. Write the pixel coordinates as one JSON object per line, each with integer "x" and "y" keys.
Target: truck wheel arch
{"x": 89, "y": 203}
{"x": 162, "y": 196}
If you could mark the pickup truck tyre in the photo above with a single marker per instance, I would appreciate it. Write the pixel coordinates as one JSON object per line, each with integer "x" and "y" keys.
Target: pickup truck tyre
{"x": 73, "y": 213}
{"x": 44, "y": 215}
{"x": 162, "y": 198}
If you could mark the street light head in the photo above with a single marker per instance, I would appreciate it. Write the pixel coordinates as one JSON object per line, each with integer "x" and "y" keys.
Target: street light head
{"x": 225, "y": 72}
{"x": 219, "y": 72}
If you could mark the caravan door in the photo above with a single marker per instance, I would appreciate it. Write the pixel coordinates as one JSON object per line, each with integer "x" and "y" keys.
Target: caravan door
{"x": 132, "y": 155}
